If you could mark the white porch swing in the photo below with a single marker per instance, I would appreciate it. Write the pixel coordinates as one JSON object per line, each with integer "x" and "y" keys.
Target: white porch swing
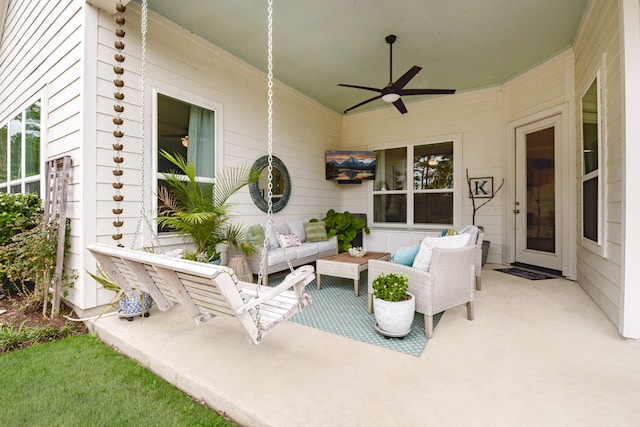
{"x": 206, "y": 290}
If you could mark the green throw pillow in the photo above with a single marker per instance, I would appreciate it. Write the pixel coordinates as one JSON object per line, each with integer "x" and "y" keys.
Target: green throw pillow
{"x": 256, "y": 235}
{"x": 315, "y": 231}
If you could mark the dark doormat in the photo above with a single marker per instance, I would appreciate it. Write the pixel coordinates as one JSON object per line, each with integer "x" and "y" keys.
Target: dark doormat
{"x": 531, "y": 275}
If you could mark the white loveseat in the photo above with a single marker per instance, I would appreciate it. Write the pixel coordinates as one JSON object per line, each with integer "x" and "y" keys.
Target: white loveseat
{"x": 277, "y": 255}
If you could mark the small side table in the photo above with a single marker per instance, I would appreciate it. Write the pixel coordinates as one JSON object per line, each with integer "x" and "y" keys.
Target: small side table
{"x": 239, "y": 264}
{"x": 346, "y": 266}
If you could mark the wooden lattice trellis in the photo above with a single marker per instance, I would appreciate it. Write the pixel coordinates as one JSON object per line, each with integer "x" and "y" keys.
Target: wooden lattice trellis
{"x": 58, "y": 172}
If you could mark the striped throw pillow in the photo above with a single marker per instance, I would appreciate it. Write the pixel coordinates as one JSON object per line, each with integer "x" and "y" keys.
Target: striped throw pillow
{"x": 315, "y": 231}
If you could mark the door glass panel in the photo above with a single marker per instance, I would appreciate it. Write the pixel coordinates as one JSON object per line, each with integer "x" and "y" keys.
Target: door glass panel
{"x": 541, "y": 211}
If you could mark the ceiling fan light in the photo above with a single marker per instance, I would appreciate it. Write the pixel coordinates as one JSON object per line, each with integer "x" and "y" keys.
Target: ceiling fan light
{"x": 390, "y": 97}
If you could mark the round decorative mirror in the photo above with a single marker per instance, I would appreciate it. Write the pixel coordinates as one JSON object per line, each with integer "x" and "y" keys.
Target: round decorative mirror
{"x": 281, "y": 185}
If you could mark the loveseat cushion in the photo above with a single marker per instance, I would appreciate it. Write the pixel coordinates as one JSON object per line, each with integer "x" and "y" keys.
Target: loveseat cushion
{"x": 288, "y": 240}
{"x": 255, "y": 234}
{"x": 423, "y": 258}
{"x": 329, "y": 245}
{"x": 277, "y": 256}
{"x": 297, "y": 228}
{"x": 308, "y": 249}
{"x": 315, "y": 231}
{"x": 273, "y": 242}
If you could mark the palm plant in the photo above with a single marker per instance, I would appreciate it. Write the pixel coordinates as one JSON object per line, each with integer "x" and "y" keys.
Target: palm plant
{"x": 200, "y": 211}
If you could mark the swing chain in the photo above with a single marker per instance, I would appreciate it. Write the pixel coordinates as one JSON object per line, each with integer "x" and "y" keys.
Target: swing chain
{"x": 269, "y": 155}
{"x": 143, "y": 59}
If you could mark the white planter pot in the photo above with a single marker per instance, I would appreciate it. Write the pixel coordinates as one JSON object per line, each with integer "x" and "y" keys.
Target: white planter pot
{"x": 223, "y": 250}
{"x": 394, "y": 319}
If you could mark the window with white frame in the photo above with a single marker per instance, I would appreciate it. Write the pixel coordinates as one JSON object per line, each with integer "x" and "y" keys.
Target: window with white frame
{"x": 591, "y": 165}
{"x": 20, "y": 163}
{"x": 415, "y": 185}
{"x": 187, "y": 130}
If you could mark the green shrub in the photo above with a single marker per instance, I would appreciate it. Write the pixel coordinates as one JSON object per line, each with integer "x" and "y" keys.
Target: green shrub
{"x": 28, "y": 261}
{"x": 16, "y": 214}
{"x": 346, "y": 226}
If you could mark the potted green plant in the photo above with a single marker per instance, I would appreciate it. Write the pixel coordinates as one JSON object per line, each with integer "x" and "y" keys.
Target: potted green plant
{"x": 200, "y": 211}
{"x": 131, "y": 305}
{"x": 345, "y": 226}
{"x": 393, "y": 306}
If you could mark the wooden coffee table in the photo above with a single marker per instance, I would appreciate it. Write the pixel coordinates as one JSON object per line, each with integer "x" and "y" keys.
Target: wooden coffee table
{"x": 346, "y": 266}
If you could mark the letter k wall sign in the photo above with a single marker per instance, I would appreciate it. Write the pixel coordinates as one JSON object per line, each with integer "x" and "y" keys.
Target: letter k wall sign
{"x": 481, "y": 187}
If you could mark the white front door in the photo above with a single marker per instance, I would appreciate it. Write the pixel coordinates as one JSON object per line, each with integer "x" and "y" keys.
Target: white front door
{"x": 538, "y": 194}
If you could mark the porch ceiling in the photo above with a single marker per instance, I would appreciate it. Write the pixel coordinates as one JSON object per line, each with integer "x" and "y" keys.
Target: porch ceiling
{"x": 460, "y": 44}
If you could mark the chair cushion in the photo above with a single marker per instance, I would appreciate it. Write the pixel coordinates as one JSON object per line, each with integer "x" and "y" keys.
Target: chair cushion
{"x": 448, "y": 232}
{"x": 473, "y": 231}
{"x": 406, "y": 255}
{"x": 315, "y": 231}
{"x": 423, "y": 258}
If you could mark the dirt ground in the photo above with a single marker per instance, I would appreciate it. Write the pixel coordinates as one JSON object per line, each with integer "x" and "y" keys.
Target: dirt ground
{"x": 13, "y": 313}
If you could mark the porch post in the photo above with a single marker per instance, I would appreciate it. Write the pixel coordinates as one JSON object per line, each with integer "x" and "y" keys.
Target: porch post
{"x": 630, "y": 304}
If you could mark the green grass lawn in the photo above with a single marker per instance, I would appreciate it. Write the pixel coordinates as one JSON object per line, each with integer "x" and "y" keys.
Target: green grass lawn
{"x": 79, "y": 381}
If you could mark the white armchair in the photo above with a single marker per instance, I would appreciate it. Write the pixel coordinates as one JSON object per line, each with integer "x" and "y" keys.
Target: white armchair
{"x": 478, "y": 260}
{"x": 448, "y": 283}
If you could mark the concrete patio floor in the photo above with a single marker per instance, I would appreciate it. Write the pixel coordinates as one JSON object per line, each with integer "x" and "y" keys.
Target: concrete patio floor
{"x": 539, "y": 353}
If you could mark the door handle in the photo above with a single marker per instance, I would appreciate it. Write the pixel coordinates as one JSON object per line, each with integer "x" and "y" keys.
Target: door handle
{"x": 516, "y": 211}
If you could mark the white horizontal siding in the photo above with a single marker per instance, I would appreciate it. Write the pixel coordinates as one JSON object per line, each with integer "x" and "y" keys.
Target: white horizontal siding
{"x": 482, "y": 118}
{"x": 41, "y": 57}
{"x": 599, "y": 34}
{"x": 180, "y": 62}
{"x": 475, "y": 115}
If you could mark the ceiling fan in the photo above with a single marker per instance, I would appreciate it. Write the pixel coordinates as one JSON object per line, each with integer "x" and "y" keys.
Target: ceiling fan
{"x": 393, "y": 91}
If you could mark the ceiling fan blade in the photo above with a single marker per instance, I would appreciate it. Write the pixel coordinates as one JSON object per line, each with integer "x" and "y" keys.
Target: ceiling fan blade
{"x": 400, "y": 106}
{"x": 361, "y": 87}
{"x": 402, "y": 81}
{"x": 427, "y": 91}
{"x": 362, "y": 103}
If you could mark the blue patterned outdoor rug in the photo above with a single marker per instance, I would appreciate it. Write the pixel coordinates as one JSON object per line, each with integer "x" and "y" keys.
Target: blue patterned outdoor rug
{"x": 525, "y": 274}
{"x": 336, "y": 309}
